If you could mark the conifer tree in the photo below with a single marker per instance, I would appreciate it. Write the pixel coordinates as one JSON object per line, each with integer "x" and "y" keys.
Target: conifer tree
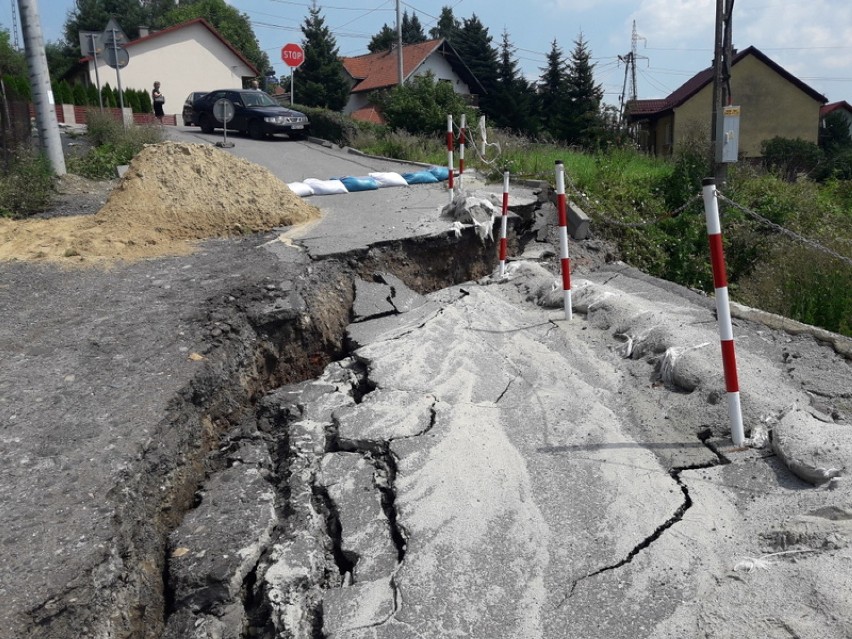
{"x": 383, "y": 40}
{"x": 412, "y": 30}
{"x": 513, "y": 93}
{"x": 473, "y": 44}
{"x": 584, "y": 122}
{"x": 320, "y": 81}
{"x": 552, "y": 91}
{"x": 447, "y": 26}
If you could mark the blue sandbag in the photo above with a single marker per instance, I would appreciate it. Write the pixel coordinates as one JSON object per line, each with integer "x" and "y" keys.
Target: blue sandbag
{"x": 420, "y": 177}
{"x": 366, "y": 183}
{"x": 440, "y": 172}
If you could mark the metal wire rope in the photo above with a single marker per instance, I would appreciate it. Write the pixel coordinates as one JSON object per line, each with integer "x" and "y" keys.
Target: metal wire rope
{"x": 784, "y": 231}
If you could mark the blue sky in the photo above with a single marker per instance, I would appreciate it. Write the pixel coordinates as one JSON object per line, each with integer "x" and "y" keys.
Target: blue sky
{"x": 812, "y": 40}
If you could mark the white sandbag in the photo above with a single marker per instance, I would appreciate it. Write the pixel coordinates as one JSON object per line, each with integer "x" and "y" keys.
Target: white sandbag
{"x": 301, "y": 189}
{"x": 326, "y": 187}
{"x": 389, "y": 179}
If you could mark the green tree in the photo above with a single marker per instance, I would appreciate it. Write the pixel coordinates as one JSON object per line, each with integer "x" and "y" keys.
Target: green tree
{"x": 92, "y": 96}
{"x": 386, "y": 38}
{"x": 11, "y": 62}
{"x": 584, "y": 122}
{"x": 834, "y": 133}
{"x": 383, "y": 40}
{"x": 79, "y": 95}
{"x": 447, "y": 26}
{"x": 473, "y": 44}
{"x": 553, "y": 90}
{"x": 108, "y": 96}
{"x": 421, "y": 105}
{"x": 61, "y": 58}
{"x": 145, "y": 105}
{"x": 513, "y": 93}
{"x": 412, "y": 30}
{"x": 791, "y": 158}
{"x": 93, "y": 15}
{"x": 322, "y": 83}
{"x": 63, "y": 93}
{"x": 234, "y": 26}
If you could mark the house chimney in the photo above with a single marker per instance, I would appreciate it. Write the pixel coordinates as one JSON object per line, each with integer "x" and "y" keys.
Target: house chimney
{"x": 143, "y": 31}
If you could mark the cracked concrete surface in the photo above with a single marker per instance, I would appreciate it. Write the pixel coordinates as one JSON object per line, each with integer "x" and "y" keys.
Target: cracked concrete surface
{"x": 387, "y": 463}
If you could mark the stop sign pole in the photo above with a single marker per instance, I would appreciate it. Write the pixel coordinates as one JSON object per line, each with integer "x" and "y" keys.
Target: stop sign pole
{"x": 293, "y": 56}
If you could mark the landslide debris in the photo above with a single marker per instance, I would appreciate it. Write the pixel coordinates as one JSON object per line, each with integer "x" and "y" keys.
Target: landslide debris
{"x": 173, "y": 194}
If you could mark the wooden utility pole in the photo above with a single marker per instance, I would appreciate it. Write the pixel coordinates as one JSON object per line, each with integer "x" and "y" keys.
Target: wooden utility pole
{"x": 723, "y": 52}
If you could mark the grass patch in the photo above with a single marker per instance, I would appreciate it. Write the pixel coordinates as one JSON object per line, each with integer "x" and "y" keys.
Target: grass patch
{"x": 28, "y": 187}
{"x": 113, "y": 145}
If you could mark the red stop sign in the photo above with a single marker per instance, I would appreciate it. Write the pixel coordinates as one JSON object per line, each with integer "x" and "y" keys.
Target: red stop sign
{"x": 292, "y": 54}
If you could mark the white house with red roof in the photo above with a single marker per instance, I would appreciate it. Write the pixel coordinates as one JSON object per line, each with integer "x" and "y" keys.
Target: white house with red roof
{"x": 186, "y": 57}
{"x": 378, "y": 71}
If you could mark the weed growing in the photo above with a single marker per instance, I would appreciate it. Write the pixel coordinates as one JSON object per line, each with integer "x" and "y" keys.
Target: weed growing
{"x": 113, "y": 145}
{"x": 28, "y": 186}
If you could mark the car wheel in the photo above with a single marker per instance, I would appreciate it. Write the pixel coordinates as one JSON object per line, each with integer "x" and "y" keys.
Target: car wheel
{"x": 206, "y": 124}
{"x": 255, "y": 130}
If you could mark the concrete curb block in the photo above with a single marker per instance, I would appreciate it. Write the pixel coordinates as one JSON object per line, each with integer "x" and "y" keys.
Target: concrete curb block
{"x": 842, "y": 345}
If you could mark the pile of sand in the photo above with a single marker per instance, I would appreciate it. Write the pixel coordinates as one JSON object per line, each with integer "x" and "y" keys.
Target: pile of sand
{"x": 171, "y": 195}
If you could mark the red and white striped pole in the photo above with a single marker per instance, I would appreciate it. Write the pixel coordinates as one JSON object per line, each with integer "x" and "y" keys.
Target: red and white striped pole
{"x": 504, "y": 224}
{"x": 723, "y": 310}
{"x": 462, "y": 140}
{"x": 561, "y": 208}
{"x": 450, "y": 142}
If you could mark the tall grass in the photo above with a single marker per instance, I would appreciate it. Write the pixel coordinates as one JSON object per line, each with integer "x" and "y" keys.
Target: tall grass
{"x": 28, "y": 185}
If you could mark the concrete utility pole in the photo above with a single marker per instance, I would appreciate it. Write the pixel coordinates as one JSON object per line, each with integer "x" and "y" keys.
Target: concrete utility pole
{"x": 48, "y": 127}
{"x": 721, "y": 86}
{"x": 399, "y": 43}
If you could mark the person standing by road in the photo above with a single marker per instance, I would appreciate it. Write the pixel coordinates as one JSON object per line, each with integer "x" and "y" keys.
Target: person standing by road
{"x": 159, "y": 100}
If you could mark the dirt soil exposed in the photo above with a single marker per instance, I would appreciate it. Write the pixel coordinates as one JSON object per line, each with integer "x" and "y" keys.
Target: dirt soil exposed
{"x": 171, "y": 195}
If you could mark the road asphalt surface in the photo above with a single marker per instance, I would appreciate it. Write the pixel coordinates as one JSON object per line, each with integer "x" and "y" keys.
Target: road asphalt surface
{"x": 358, "y": 429}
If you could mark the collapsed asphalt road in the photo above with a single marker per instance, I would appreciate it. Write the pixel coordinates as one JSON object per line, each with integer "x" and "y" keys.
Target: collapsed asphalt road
{"x": 391, "y": 442}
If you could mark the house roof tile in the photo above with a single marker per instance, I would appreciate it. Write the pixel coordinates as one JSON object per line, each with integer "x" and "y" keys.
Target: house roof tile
{"x": 368, "y": 114}
{"x": 380, "y": 70}
{"x": 684, "y": 92}
{"x": 843, "y": 105}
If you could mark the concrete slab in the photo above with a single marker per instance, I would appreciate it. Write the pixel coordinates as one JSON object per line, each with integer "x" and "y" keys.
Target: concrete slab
{"x": 378, "y": 419}
{"x": 360, "y": 608}
{"x": 371, "y": 299}
{"x": 365, "y": 537}
{"x": 221, "y": 540}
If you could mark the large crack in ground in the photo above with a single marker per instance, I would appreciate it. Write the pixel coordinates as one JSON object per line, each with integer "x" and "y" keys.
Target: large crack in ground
{"x": 678, "y": 515}
{"x": 277, "y": 590}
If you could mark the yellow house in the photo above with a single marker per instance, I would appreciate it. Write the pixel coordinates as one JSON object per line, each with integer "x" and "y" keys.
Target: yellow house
{"x": 773, "y": 103}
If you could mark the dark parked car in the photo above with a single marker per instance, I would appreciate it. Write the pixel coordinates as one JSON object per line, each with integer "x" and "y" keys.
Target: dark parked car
{"x": 255, "y": 113}
{"x": 187, "y": 106}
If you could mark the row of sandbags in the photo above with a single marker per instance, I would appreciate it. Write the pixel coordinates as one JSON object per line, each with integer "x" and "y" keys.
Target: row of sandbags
{"x": 371, "y": 182}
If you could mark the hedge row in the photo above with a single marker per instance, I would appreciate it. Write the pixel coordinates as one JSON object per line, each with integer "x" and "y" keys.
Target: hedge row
{"x": 65, "y": 93}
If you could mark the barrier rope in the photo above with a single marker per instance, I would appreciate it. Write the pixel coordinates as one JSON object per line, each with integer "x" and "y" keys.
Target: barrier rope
{"x": 474, "y": 133}
{"x": 785, "y": 231}
{"x": 634, "y": 225}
